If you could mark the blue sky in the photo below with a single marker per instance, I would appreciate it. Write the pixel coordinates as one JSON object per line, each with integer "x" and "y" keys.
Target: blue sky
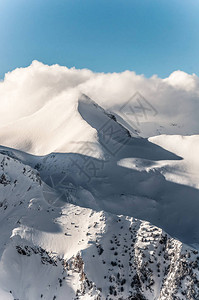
{"x": 147, "y": 36}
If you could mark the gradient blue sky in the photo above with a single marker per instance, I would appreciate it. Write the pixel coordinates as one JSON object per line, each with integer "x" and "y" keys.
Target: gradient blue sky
{"x": 147, "y": 36}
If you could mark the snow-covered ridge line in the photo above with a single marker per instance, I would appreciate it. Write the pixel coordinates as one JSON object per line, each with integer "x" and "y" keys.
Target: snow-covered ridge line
{"x": 39, "y": 105}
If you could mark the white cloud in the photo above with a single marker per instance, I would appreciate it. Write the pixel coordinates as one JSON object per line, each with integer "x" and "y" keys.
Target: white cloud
{"x": 38, "y": 102}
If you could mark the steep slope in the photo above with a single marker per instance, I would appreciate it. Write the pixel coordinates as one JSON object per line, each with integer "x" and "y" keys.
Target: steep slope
{"x": 64, "y": 251}
{"x": 56, "y": 126}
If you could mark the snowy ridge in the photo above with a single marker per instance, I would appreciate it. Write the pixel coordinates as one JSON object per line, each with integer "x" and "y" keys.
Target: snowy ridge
{"x": 70, "y": 252}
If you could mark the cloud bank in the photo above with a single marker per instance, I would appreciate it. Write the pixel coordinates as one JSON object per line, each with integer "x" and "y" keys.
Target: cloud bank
{"x": 39, "y": 104}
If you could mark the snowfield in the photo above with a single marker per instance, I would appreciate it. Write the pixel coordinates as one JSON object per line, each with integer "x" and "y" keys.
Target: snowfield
{"x": 92, "y": 205}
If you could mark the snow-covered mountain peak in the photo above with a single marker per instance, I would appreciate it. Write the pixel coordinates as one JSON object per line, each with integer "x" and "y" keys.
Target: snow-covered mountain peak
{"x": 89, "y": 207}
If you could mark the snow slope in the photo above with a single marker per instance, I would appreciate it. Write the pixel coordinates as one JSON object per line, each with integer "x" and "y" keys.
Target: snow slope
{"x": 64, "y": 251}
